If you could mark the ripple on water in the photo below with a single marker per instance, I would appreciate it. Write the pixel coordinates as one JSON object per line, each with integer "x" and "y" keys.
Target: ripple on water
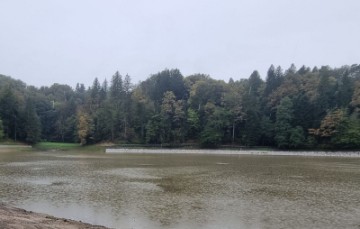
{"x": 144, "y": 186}
{"x": 132, "y": 173}
{"x": 222, "y": 163}
{"x": 31, "y": 163}
{"x": 44, "y": 181}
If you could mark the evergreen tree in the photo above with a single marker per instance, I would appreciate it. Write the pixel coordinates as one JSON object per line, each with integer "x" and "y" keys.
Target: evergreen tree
{"x": 116, "y": 102}
{"x": 103, "y": 92}
{"x": 303, "y": 70}
{"x": 127, "y": 105}
{"x": 1, "y": 130}
{"x": 251, "y": 131}
{"x": 32, "y": 123}
{"x": 9, "y": 113}
{"x": 284, "y": 116}
{"x": 271, "y": 82}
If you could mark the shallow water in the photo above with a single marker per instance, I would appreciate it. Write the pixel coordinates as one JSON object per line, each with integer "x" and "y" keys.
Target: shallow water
{"x": 185, "y": 191}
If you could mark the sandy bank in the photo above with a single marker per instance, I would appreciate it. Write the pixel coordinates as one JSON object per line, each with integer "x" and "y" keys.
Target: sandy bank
{"x": 16, "y": 218}
{"x": 13, "y": 148}
{"x": 234, "y": 152}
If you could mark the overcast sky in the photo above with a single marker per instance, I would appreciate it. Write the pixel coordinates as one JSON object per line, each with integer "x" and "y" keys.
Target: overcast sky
{"x": 69, "y": 41}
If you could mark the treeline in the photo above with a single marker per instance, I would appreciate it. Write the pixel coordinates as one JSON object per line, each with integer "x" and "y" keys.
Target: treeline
{"x": 304, "y": 108}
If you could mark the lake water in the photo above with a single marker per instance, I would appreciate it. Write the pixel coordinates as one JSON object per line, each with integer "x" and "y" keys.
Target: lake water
{"x": 185, "y": 191}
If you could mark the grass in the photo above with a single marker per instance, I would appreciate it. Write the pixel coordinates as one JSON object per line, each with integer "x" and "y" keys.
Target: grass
{"x": 61, "y": 146}
{"x": 56, "y": 146}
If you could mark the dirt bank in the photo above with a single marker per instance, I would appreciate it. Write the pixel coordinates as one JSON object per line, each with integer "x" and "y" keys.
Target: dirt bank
{"x": 16, "y": 218}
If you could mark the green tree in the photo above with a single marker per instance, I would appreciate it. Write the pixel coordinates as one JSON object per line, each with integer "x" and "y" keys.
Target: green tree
{"x": 1, "y": 130}
{"x": 166, "y": 80}
{"x": 103, "y": 92}
{"x": 32, "y": 123}
{"x": 355, "y": 99}
{"x": 348, "y": 134}
{"x": 284, "y": 116}
{"x": 297, "y": 137}
{"x": 116, "y": 101}
{"x": 267, "y": 131}
{"x": 153, "y": 130}
{"x": 102, "y": 124}
{"x": 345, "y": 90}
{"x": 95, "y": 92}
{"x": 303, "y": 70}
{"x": 273, "y": 80}
{"x": 10, "y": 113}
{"x": 143, "y": 111}
{"x": 326, "y": 93}
{"x": 217, "y": 128}
{"x": 251, "y": 129}
{"x": 127, "y": 108}
{"x": 193, "y": 123}
{"x": 173, "y": 118}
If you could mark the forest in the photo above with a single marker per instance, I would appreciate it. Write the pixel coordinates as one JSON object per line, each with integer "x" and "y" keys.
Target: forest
{"x": 305, "y": 108}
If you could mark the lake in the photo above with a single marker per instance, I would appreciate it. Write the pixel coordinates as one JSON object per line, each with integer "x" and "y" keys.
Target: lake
{"x": 185, "y": 190}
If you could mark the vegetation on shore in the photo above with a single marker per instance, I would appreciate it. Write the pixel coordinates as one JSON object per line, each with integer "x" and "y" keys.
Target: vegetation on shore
{"x": 56, "y": 146}
{"x": 291, "y": 109}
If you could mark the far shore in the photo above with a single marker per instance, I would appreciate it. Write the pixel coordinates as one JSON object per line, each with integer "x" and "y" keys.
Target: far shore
{"x": 17, "y": 218}
{"x": 145, "y": 149}
{"x": 14, "y": 146}
{"x": 232, "y": 152}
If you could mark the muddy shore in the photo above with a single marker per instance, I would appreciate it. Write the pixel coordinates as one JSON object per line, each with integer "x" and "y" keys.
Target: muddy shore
{"x": 233, "y": 152}
{"x": 17, "y": 218}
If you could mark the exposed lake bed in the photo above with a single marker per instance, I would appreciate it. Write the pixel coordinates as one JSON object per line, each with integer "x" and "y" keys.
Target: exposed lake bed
{"x": 185, "y": 191}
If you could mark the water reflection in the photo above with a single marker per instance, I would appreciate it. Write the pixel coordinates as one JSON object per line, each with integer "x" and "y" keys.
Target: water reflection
{"x": 186, "y": 191}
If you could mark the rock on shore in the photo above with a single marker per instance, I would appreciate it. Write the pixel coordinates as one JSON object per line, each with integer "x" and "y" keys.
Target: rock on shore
{"x": 16, "y": 218}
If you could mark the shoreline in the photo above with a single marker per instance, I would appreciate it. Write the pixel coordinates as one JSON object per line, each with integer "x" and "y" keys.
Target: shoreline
{"x": 17, "y": 218}
{"x": 233, "y": 152}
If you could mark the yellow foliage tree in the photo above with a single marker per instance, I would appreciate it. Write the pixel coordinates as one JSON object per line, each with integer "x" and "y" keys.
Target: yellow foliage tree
{"x": 84, "y": 127}
{"x": 329, "y": 124}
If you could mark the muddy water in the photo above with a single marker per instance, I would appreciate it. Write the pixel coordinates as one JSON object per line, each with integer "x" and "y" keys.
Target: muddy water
{"x": 185, "y": 191}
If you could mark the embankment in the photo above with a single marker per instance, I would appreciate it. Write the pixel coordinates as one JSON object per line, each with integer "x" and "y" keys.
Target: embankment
{"x": 233, "y": 152}
{"x": 17, "y": 218}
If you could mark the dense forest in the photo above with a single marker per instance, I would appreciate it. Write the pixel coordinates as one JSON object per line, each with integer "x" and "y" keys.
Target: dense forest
{"x": 291, "y": 109}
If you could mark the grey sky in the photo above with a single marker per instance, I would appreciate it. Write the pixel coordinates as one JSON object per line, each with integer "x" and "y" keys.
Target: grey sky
{"x": 68, "y": 41}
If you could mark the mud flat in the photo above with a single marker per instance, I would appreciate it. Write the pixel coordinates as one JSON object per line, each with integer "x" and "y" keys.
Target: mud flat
{"x": 17, "y": 218}
{"x": 234, "y": 152}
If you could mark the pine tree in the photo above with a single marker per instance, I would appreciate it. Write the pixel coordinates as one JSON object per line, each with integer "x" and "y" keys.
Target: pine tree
{"x": 284, "y": 116}
{"x": 32, "y": 123}
{"x": 1, "y": 130}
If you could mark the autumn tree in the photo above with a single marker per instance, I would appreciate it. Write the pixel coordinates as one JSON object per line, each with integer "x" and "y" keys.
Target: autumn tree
{"x": 84, "y": 127}
{"x": 329, "y": 126}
